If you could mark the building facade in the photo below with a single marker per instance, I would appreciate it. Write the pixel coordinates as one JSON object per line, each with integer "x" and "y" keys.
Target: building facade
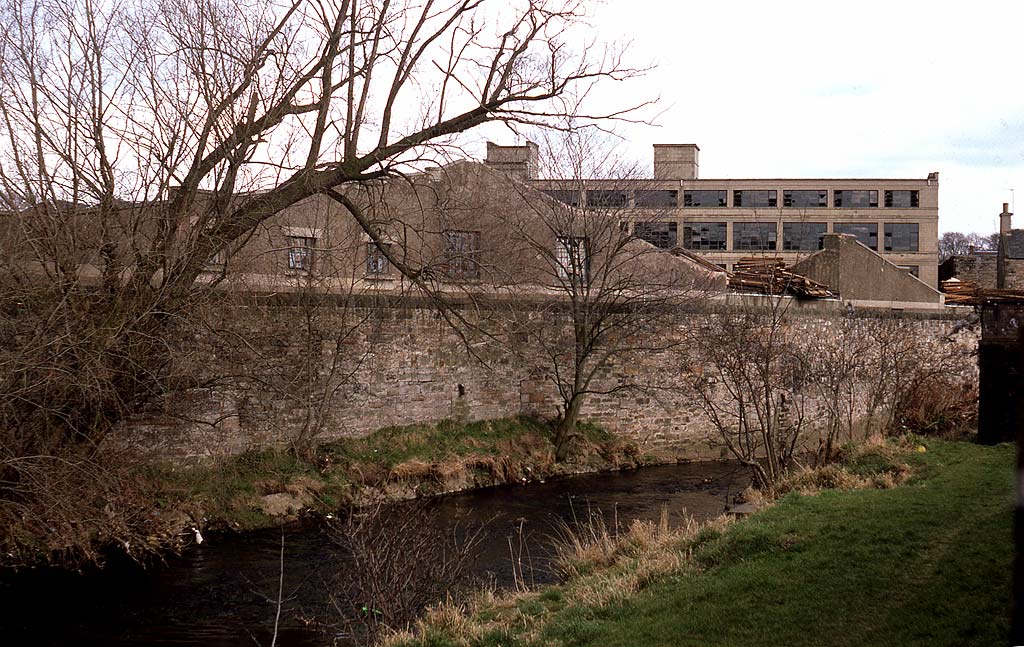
{"x": 729, "y": 219}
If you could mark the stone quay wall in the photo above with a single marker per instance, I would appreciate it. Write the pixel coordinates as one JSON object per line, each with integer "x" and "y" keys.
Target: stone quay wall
{"x": 285, "y": 373}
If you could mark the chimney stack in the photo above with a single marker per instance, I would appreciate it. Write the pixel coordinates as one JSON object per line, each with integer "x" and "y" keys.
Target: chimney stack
{"x": 518, "y": 161}
{"x": 676, "y": 161}
{"x": 1001, "y": 251}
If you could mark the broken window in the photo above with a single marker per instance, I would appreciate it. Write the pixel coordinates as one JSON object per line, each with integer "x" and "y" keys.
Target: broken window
{"x": 803, "y": 236}
{"x": 758, "y": 198}
{"x": 300, "y": 253}
{"x": 754, "y": 235}
{"x": 805, "y": 198}
{"x": 703, "y": 198}
{"x": 462, "y": 254}
{"x": 657, "y": 198}
{"x": 903, "y": 199}
{"x": 572, "y": 258}
{"x": 704, "y": 235}
{"x": 659, "y": 234}
{"x": 376, "y": 262}
{"x": 901, "y": 236}
{"x": 571, "y": 198}
{"x": 866, "y": 232}
{"x": 856, "y": 199}
{"x": 605, "y": 198}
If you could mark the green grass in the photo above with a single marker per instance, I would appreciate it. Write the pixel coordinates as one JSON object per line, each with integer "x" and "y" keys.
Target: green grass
{"x": 436, "y": 442}
{"x": 227, "y": 491}
{"x": 925, "y": 564}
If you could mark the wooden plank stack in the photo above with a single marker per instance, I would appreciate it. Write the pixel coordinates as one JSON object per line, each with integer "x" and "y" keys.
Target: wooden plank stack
{"x": 767, "y": 275}
{"x": 967, "y": 293}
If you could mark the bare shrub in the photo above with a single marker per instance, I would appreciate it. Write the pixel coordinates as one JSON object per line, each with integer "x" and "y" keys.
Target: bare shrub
{"x": 400, "y": 562}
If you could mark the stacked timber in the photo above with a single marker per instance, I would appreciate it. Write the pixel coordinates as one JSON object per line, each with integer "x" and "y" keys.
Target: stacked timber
{"x": 770, "y": 276}
{"x": 967, "y": 293}
{"x": 961, "y": 293}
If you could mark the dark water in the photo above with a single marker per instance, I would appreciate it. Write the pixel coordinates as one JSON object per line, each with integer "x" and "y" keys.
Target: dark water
{"x": 220, "y": 593}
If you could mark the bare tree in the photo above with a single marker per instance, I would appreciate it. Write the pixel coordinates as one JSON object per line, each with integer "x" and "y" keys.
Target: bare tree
{"x": 143, "y": 141}
{"x": 749, "y": 379}
{"x": 594, "y": 294}
{"x": 955, "y": 243}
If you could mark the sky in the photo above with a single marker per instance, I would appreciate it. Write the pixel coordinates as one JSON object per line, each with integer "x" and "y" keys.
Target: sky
{"x": 834, "y": 89}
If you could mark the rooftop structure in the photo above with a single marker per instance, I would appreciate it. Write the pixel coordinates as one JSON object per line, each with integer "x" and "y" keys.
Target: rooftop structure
{"x": 726, "y": 220}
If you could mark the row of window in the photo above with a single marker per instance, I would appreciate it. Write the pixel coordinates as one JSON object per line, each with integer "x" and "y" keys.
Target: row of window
{"x": 461, "y": 255}
{"x": 763, "y": 236}
{"x": 796, "y": 198}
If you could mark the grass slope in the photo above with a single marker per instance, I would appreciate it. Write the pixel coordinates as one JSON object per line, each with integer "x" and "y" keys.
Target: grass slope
{"x": 925, "y": 564}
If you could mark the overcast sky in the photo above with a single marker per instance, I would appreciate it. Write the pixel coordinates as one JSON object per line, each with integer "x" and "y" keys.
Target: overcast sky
{"x": 837, "y": 89}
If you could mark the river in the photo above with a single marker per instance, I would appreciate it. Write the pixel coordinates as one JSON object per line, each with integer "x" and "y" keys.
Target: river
{"x": 221, "y": 593}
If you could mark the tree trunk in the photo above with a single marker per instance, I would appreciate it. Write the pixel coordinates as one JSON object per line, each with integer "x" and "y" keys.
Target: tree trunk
{"x": 565, "y": 431}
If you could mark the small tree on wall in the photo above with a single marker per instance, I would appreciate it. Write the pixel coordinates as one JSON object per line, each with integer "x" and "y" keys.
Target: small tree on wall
{"x": 595, "y": 295}
{"x": 748, "y": 376}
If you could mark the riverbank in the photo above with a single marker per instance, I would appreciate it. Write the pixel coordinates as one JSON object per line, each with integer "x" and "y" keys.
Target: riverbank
{"x": 260, "y": 488}
{"x": 926, "y": 562}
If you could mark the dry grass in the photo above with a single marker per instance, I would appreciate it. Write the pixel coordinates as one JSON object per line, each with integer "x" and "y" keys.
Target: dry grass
{"x": 601, "y": 565}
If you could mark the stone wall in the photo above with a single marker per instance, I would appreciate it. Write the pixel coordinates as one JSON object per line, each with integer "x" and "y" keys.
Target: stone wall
{"x": 326, "y": 370}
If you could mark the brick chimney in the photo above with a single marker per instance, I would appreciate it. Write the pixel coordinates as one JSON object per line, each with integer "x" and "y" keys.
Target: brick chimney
{"x": 676, "y": 161}
{"x": 1001, "y": 253}
{"x": 518, "y": 161}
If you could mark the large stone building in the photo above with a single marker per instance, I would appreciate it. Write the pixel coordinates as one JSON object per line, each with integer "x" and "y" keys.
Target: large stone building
{"x": 729, "y": 219}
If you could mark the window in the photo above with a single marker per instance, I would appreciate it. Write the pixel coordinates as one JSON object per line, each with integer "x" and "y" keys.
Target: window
{"x": 376, "y": 262}
{"x": 912, "y": 269}
{"x": 659, "y": 234}
{"x": 803, "y": 236}
{"x": 300, "y": 253}
{"x": 462, "y": 254}
{"x": 804, "y": 198}
{"x": 856, "y": 199}
{"x": 755, "y": 198}
{"x": 703, "y": 198}
{"x": 657, "y": 198}
{"x": 571, "y": 198}
{"x": 904, "y": 199}
{"x": 866, "y": 232}
{"x": 754, "y": 235}
{"x": 704, "y": 235}
{"x": 901, "y": 236}
{"x": 572, "y": 257}
{"x": 605, "y": 198}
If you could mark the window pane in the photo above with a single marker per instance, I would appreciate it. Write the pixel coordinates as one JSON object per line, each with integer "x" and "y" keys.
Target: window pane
{"x": 805, "y": 198}
{"x": 703, "y": 198}
{"x": 757, "y": 198}
{"x": 461, "y": 253}
{"x": 754, "y": 235}
{"x": 571, "y": 198}
{"x": 866, "y": 232}
{"x": 704, "y": 235}
{"x": 657, "y": 198}
{"x": 901, "y": 236}
{"x": 803, "y": 236}
{"x": 604, "y": 198}
{"x": 573, "y": 259}
{"x": 659, "y": 234}
{"x": 903, "y": 199}
{"x": 376, "y": 263}
{"x": 856, "y": 199}
{"x": 300, "y": 252}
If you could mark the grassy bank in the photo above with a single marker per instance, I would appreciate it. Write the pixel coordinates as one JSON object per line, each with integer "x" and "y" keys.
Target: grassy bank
{"x": 924, "y": 563}
{"x": 256, "y": 488}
